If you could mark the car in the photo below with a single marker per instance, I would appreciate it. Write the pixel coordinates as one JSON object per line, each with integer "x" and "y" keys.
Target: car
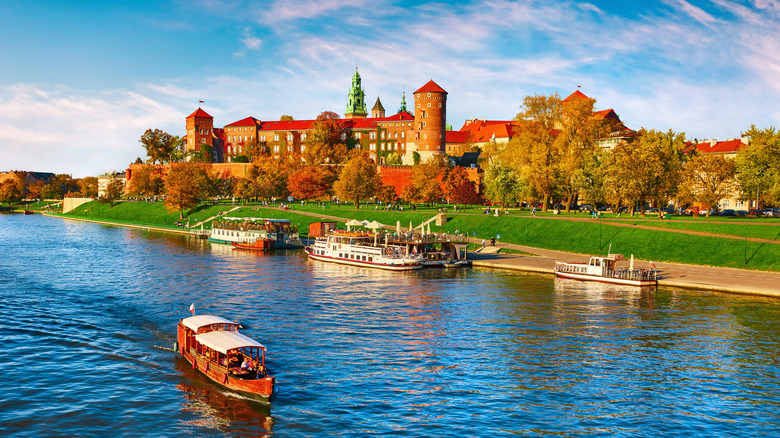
{"x": 742, "y": 213}
{"x": 728, "y": 213}
{"x": 774, "y": 212}
{"x": 586, "y": 207}
{"x": 754, "y": 212}
{"x": 622, "y": 209}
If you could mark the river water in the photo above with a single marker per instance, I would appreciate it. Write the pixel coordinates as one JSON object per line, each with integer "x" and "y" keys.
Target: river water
{"x": 88, "y": 317}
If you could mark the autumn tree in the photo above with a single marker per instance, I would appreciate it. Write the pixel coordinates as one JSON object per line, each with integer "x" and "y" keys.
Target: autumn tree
{"x": 647, "y": 168}
{"x": 425, "y": 182}
{"x": 386, "y": 193}
{"x": 710, "y": 178}
{"x": 256, "y": 150}
{"x": 758, "y": 165}
{"x": 532, "y": 150}
{"x": 576, "y": 140}
{"x": 310, "y": 182}
{"x": 359, "y": 179}
{"x": 325, "y": 141}
{"x": 88, "y": 187}
{"x": 11, "y": 191}
{"x": 160, "y": 146}
{"x": 146, "y": 181}
{"x": 182, "y": 189}
{"x": 269, "y": 178}
{"x": 459, "y": 189}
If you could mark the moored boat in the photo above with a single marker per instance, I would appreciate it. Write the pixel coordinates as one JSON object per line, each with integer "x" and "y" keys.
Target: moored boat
{"x": 257, "y": 245}
{"x": 435, "y": 252}
{"x": 606, "y": 270}
{"x": 248, "y": 230}
{"x": 214, "y": 347}
{"x": 363, "y": 249}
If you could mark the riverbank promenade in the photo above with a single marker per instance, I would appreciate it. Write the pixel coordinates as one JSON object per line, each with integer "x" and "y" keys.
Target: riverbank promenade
{"x": 669, "y": 274}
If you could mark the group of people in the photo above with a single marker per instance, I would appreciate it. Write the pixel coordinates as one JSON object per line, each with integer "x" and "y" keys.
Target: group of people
{"x": 243, "y": 364}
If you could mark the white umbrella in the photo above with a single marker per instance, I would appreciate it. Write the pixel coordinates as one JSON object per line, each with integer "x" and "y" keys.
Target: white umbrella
{"x": 374, "y": 225}
{"x": 631, "y": 263}
{"x": 354, "y": 223}
{"x": 410, "y": 226}
{"x": 398, "y": 227}
{"x": 429, "y": 228}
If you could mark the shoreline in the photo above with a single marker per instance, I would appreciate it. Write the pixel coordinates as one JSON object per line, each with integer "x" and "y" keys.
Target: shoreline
{"x": 542, "y": 261}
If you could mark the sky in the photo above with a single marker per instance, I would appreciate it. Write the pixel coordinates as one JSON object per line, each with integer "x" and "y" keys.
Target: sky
{"x": 82, "y": 80}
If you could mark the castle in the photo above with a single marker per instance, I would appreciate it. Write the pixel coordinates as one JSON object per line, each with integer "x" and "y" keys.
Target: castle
{"x": 403, "y": 134}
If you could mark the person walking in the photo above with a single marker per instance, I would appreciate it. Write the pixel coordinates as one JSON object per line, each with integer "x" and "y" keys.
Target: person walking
{"x": 483, "y": 243}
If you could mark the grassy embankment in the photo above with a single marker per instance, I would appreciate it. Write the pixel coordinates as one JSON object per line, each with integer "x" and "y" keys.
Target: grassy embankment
{"x": 585, "y": 236}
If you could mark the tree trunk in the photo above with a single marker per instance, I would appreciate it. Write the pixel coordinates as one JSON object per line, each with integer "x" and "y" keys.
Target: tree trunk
{"x": 568, "y": 202}
{"x": 544, "y": 205}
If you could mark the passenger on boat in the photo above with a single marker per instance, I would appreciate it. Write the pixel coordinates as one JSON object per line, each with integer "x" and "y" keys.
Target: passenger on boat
{"x": 247, "y": 364}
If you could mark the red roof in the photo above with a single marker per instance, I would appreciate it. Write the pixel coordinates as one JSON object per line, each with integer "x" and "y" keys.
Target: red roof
{"x": 199, "y": 113}
{"x": 485, "y": 130}
{"x": 305, "y": 125}
{"x": 457, "y": 136}
{"x": 249, "y": 121}
{"x": 577, "y": 94}
{"x": 730, "y": 146}
{"x": 430, "y": 87}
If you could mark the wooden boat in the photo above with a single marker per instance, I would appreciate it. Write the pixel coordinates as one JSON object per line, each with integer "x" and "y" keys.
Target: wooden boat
{"x": 249, "y": 229}
{"x": 212, "y": 344}
{"x": 362, "y": 249}
{"x": 257, "y": 245}
{"x": 29, "y": 212}
{"x": 605, "y": 270}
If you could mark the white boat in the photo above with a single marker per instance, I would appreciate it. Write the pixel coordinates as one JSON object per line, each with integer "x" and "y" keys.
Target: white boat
{"x": 435, "y": 252}
{"x": 605, "y": 270}
{"x": 362, "y": 249}
{"x": 248, "y": 230}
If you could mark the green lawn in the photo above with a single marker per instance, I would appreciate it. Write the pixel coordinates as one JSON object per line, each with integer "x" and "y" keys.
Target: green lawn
{"x": 588, "y": 237}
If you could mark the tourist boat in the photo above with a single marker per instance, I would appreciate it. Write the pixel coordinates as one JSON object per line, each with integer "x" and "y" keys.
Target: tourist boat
{"x": 212, "y": 344}
{"x": 248, "y": 230}
{"x": 363, "y": 249}
{"x": 604, "y": 269}
{"x": 257, "y": 245}
{"x": 435, "y": 252}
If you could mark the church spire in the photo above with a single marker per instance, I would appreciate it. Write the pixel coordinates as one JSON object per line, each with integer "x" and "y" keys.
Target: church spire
{"x": 356, "y": 105}
{"x": 403, "y": 103}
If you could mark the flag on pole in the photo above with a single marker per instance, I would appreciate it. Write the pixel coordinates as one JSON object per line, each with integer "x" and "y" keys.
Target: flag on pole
{"x": 652, "y": 264}
{"x": 201, "y": 101}
{"x": 192, "y": 308}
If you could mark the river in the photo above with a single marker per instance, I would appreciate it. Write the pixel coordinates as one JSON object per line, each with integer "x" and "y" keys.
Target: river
{"x": 89, "y": 315}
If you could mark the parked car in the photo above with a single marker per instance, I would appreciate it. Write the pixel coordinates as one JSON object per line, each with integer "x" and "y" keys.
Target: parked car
{"x": 754, "y": 212}
{"x": 774, "y": 212}
{"x": 586, "y": 207}
{"x": 742, "y": 213}
{"x": 728, "y": 213}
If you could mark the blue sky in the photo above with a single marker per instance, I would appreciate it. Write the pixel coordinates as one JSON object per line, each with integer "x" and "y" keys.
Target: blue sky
{"x": 82, "y": 80}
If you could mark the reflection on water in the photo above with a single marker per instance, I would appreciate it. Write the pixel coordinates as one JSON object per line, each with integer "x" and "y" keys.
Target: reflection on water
{"x": 360, "y": 352}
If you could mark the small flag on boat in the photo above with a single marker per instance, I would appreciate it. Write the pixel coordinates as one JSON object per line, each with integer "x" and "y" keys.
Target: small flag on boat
{"x": 192, "y": 308}
{"x": 652, "y": 264}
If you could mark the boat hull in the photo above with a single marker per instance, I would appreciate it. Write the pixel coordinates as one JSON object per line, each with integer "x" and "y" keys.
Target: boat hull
{"x": 385, "y": 266}
{"x": 258, "y": 388}
{"x": 603, "y": 279}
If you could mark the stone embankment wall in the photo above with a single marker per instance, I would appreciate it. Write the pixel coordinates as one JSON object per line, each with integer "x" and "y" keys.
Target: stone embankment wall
{"x": 68, "y": 204}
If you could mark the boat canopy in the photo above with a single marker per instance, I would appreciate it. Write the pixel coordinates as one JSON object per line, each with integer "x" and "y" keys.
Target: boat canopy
{"x": 225, "y": 341}
{"x": 198, "y": 321}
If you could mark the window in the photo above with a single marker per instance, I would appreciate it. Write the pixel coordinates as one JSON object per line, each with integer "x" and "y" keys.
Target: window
{"x": 373, "y": 135}
{"x": 303, "y": 136}
{"x": 289, "y": 137}
{"x": 203, "y": 140}
{"x": 276, "y": 137}
{"x": 402, "y": 134}
{"x": 262, "y": 137}
{"x": 343, "y": 135}
{"x": 429, "y": 104}
{"x": 429, "y": 95}
{"x": 383, "y": 135}
{"x": 276, "y": 148}
{"x": 357, "y": 136}
{"x": 372, "y": 146}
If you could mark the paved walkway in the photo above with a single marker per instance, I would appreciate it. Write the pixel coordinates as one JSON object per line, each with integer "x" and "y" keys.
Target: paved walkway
{"x": 669, "y": 274}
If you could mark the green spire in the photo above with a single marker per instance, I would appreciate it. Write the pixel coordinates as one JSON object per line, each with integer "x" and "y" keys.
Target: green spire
{"x": 356, "y": 106}
{"x": 403, "y": 103}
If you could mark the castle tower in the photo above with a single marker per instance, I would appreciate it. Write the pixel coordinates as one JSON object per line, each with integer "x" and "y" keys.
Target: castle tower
{"x": 356, "y": 105}
{"x": 200, "y": 130}
{"x": 430, "y": 118}
{"x": 378, "y": 110}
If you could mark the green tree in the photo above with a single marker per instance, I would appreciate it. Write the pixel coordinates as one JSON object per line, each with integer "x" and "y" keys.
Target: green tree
{"x": 758, "y": 165}
{"x": 393, "y": 159}
{"x": 710, "y": 178}
{"x": 648, "y": 168}
{"x": 114, "y": 190}
{"x": 504, "y": 185}
{"x": 160, "y": 146}
{"x": 358, "y": 180}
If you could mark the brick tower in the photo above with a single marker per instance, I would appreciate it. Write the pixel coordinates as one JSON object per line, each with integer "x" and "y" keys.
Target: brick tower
{"x": 200, "y": 130}
{"x": 430, "y": 119}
